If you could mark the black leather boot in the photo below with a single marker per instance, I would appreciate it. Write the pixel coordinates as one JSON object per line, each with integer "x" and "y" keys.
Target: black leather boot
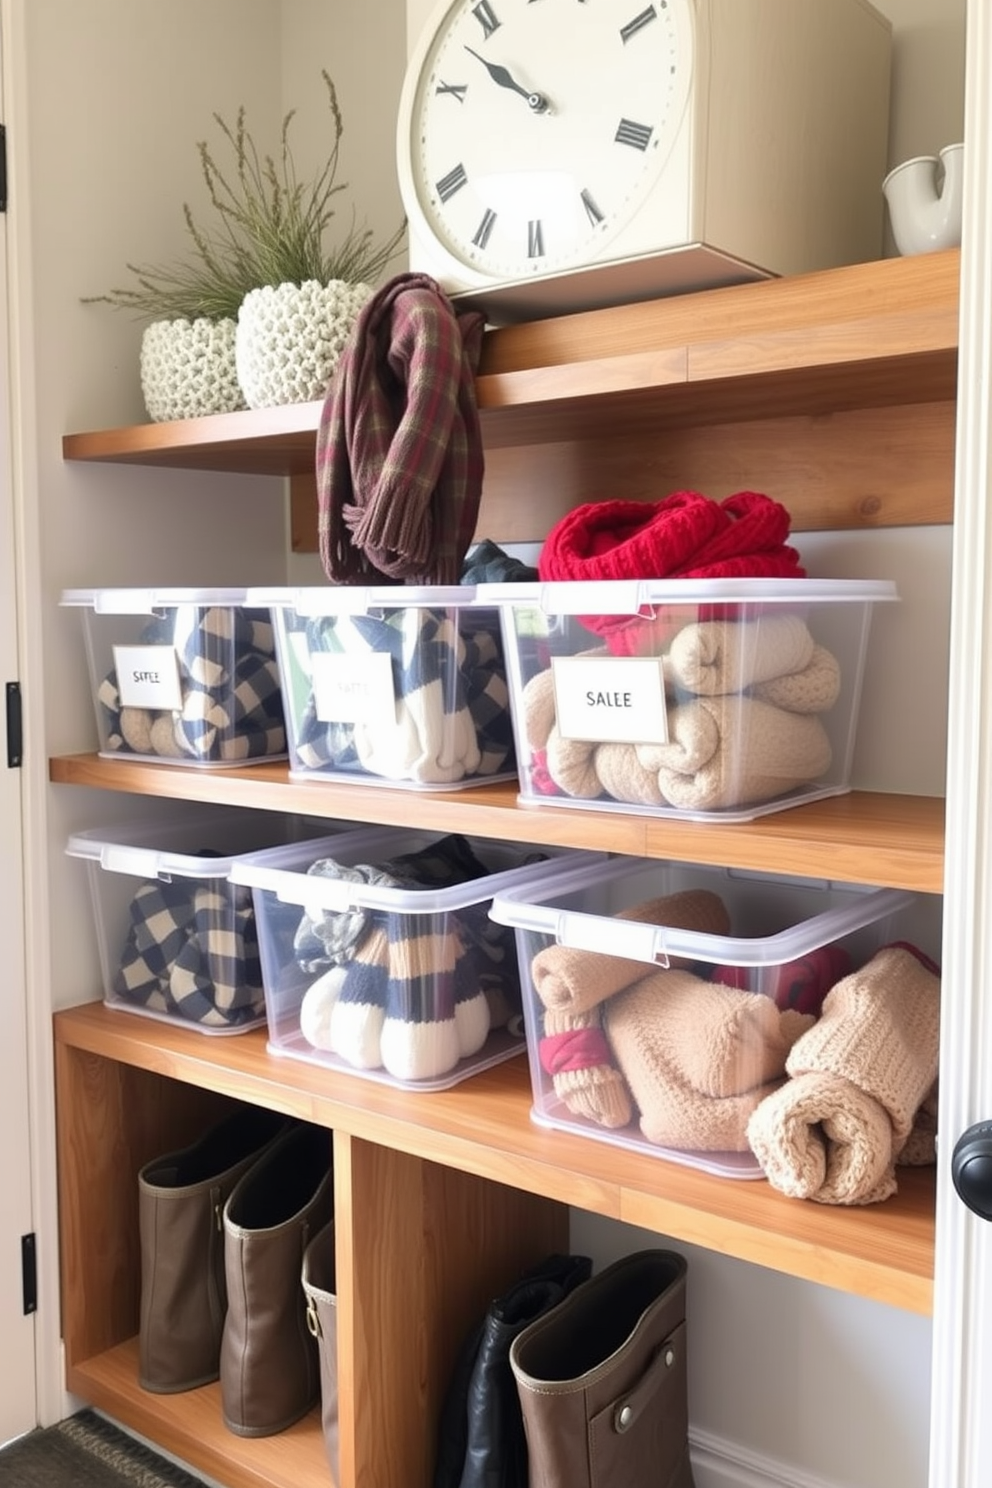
{"x": 482, "y": 1443}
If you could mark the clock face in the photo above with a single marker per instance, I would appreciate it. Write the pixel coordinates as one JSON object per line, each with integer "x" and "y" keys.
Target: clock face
{"x": 532, "y": 130}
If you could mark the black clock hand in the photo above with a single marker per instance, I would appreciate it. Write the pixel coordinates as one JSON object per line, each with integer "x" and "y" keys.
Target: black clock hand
{"x": 505, "y": 79}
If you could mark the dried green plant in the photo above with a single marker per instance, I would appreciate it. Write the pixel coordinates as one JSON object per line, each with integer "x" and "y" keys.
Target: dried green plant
{"x": 272, "y": 229}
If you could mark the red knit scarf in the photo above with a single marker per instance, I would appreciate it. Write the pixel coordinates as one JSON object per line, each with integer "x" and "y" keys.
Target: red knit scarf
{"x": 684, "y": 536}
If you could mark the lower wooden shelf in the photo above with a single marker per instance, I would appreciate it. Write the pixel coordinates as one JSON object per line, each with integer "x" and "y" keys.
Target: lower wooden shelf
{"x": 483, "y": 1128}
{"x": 190, "y": 1426}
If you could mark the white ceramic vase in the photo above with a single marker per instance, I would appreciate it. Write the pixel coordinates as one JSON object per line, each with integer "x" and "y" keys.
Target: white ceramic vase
{"x": 188, "y": 369}
{"x": 290, "y": 338}
{"x": 925, "y": 198}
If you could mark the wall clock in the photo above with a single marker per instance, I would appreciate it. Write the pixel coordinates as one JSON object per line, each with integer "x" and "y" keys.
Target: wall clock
{"x": 558, "y": 154}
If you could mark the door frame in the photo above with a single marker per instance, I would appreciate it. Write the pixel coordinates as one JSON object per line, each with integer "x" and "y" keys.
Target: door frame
{"x": 960, "y": 1421}
{"x": 51, "y": 1402}
{"x": 18, "y": 1405}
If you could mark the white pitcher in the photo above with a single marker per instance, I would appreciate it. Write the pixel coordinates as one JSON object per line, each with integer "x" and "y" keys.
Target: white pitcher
{"x": 924, "y": 197}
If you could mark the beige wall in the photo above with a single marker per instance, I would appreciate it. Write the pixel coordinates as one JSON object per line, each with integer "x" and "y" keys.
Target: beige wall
{"x": 362, "y": 47}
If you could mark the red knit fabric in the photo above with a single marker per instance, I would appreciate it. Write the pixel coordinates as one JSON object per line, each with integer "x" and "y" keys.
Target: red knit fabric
{"x": 801, "y": 984}
{"x": 629, "y": 539}
{"x": 684, "y": 536}
{"x": 582, "y": 1048}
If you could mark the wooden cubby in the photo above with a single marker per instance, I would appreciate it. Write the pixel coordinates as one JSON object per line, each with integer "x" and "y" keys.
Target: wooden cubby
{"x": 442, "y": 1198}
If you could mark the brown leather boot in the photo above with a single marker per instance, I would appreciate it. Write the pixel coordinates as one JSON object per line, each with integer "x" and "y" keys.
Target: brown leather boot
{"x": 269, "y": 1368}
{"x": 181, "y": 1199}
{"x": 322, "y": 1320}
{"x": 602, "y": 1380}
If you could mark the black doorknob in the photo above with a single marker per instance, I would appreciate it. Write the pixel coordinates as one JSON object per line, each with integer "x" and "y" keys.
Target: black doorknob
{"x": 971, "y": 1168}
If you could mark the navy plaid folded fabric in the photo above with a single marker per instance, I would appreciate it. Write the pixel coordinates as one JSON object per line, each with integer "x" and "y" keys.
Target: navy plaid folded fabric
{"x": 230, "y": 686}
{"x": 192, "y": 952}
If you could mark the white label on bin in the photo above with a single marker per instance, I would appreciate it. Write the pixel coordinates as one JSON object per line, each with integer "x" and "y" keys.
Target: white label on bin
{"x": 148, "y": 677}
{"x": 615, "y": 700}
{"x": 350, "y": 688}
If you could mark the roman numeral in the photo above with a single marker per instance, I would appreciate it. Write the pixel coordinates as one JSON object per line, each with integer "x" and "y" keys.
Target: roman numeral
{"x": 629, "y": 133}
{"x": 486, "y": 17}
{"x": 484, "y": 229}
{"x": 457, "y": 90}
{"x": 535, "y": 239}
{"x": 592, "y": 210}
{"x": 452, "y": 182}
{"x": 638, "y": 23}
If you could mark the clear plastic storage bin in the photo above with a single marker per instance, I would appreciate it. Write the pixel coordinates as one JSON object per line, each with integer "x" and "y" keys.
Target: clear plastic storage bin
{"x": 184, "y": 675}
{"x": 177, "y": 938}
{"x": 661, "y": 999}
{"x": 393, "y": 686}
{"x": 379, "y": 957}
{"x": 691, "y": 698}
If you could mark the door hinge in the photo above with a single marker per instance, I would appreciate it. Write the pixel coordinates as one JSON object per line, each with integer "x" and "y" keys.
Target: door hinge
{"x": 3, "y": 167}
{"x": 29, "y": 1274}
{"x": 15, "y": 740}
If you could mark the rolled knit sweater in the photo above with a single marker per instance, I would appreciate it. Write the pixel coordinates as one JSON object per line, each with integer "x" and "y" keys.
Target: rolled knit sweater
{"x": 857, "y": 1080}
{"x": 698, "y": 1057}
{"x": 577, "y": 980}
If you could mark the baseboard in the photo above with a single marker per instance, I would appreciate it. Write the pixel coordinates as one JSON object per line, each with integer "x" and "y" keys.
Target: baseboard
{"x": 721, "y": 1464}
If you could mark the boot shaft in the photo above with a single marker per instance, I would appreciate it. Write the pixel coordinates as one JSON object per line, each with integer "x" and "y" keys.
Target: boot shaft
{"x": 602, "y": 1380}
{"x": 269, "y": 1367}
{"x": 319, "y": 1289}
{"x": 181, "y": 1197}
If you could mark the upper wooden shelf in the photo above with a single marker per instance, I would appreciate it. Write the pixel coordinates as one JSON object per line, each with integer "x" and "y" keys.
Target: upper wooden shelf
{"x": 864, "y": 837}
{"x": 869, "y": 335}
{"x": 483, "y": 1126}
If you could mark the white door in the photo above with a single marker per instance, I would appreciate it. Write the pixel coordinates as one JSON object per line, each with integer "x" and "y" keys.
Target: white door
{"x": 961, "y": 1434}
{"x": 17, "y": 1329}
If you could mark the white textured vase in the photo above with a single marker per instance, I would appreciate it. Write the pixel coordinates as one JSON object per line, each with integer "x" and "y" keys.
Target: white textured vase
{"x": 188, "y": 369}
{"x": 290, "y": 339}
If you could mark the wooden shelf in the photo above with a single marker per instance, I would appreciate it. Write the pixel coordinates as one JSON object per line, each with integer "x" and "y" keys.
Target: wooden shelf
{"x": 848, "y": 364}
{"x": 869, "y": 335}
{"x": 482, "y": 1127}
{"x": 191, "y": 1428}
{"x": 863, "y": 837}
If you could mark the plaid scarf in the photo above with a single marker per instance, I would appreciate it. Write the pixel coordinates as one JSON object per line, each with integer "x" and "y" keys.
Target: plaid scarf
{"x": 399, "y": 457}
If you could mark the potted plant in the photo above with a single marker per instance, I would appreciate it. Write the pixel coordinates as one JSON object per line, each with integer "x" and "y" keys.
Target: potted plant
{"x": 261, "y": 310}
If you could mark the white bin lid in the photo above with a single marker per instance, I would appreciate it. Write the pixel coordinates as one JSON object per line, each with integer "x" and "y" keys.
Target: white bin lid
{"x": 631, "y": 596}
{"x": 282, "y": 872}
{"x": 521, "y": 906}
{"x": 147, "y": 601}
{"x": 359, "y": 599}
